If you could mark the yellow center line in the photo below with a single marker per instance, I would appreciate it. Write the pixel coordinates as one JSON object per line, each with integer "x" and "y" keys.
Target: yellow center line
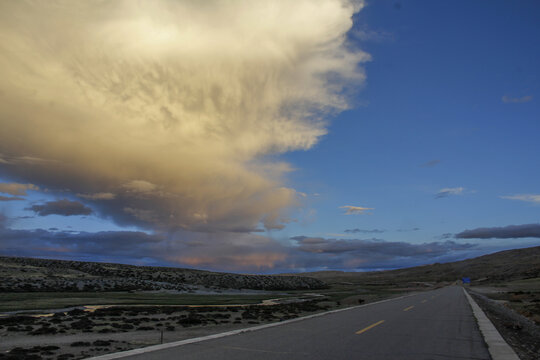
{"x": 369, "y": 327}
{"x": 409, "y": 308}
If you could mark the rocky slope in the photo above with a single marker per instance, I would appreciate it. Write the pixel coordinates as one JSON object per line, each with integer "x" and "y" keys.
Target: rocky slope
{"x": 30, "y": 274}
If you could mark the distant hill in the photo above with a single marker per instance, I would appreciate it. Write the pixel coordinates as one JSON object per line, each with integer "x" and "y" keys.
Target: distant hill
{"x": 30, "y": 274}
{"x": 501, "y": 266}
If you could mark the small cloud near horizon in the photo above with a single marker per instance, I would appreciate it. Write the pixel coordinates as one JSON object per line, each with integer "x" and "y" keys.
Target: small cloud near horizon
{"x": 355, "y": 210}
{"x": 369, "y": 253}
{"x": 508, "y": 99}
{"x": 11, "y": 198}
{"x": 506, "y": 232}
{"x": 363, "y": 231}
{"x": 534, "y": 198}
{"x": 407, "y": 230}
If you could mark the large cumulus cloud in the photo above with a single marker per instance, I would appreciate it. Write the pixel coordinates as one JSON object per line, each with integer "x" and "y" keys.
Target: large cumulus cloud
{"x": 160, "y": 113}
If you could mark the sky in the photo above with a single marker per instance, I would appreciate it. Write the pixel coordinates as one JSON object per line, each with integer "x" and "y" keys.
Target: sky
{"x": 269, "y": 136}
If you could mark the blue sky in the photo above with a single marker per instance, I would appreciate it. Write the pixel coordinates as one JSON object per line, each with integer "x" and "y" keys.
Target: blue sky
{"x": 435, "y": 93}
{"x": 440, "y": 137}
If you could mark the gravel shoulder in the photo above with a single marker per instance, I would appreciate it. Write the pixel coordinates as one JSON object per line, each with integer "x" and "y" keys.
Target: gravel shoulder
{"x": 518, "y": 331}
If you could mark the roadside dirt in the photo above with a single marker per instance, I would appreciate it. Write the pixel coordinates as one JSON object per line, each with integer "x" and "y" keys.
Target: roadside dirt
{"x": 519, "y": 332}
{"x": 79, "y": 334}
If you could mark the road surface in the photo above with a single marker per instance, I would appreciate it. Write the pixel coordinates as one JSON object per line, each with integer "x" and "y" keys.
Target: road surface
{"x": 433, "y": 325}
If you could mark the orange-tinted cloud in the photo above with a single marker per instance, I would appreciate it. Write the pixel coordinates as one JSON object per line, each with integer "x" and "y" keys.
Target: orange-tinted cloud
{"x": 255, "y": 261}
{"x": 169, "y": 107}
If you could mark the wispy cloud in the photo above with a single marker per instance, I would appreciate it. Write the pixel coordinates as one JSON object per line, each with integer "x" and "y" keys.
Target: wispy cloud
{"x": 506, "y": 232}
{"x": 62, "y": 207}
{"x": 366, "y": 34}
{"x": 363, "y": 231}
{"x": 431, "y": 163}
{"x": 408, "y": 230}
{"x": 446, "y": 236}
{"x": 449, "y": 191}
{"x": 534, "y": 198}
{"x": 10, "y": 198}
{"x": 508, "y": 99}
{"x": 355, "y": 210}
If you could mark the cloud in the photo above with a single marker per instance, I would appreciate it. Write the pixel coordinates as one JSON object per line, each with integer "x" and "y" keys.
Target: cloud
{"x": 224, "y": 251}
{"x": 355, "y": 210}
{"x": 232, "y": 252}
{"x": 431, "y": 163}
{"x": 140, "y": 186}
{"x": 11, "y": 198}
{"x": 408, "y": 230}
{"x": 507, "y": 99}
{"x": 446, "y": 236}
{"x": 170, "y": 106}
{"x": 378, "y": 36}
{"x": 98, "y": 196}
{"x": 316, "y": 252}
{"x": 534, "y": 198}
{"x": 62, "y": 207}
{"x": 362, "y": 231}
{"x": 25, "y": 160}
{"x": 375, "y": 246}
{"x": 506, "y": 232}
{"x": 449, "y": 191}
{"x": 16, "y": 189}
{"x": 118, "y": 245}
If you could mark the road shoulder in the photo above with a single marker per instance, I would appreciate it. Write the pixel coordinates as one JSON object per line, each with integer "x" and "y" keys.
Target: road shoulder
{"x": 497, "y": 347}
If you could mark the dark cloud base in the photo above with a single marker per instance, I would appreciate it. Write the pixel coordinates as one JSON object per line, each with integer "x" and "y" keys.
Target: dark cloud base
{"x": 362, "y": 231}
{"x": 62, "y": 207}
{"x": 231, "y": 253}
{"x": 506, "y": 232}
{"x": 10, "y": 198}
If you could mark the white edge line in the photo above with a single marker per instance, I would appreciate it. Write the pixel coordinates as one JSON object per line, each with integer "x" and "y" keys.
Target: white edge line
{"x": 497, "y": 347}
{"x": 143, "y": 350}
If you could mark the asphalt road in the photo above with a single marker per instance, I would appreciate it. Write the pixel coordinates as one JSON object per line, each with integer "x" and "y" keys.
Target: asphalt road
{"x": 433, "y": 325}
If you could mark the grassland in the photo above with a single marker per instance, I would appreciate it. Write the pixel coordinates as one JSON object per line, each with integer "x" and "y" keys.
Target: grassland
{"x": 59, "y": 300}
{"x": 522, "y": 296}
